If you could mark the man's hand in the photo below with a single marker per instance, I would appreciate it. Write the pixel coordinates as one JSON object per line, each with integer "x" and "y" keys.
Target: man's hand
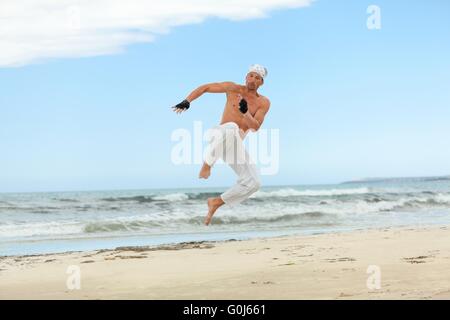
{"x": 243, "y": 106}
{"x": 182, "y": 106}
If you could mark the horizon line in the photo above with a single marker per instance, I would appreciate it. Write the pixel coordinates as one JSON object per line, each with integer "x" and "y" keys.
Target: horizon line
{"x": 375, "y": 179}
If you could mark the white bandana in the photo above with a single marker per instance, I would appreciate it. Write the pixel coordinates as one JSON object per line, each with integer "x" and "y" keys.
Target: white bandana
{"x": 262, "y": 71}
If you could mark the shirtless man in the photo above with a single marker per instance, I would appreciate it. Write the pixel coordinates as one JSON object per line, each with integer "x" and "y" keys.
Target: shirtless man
{"x": 245, "y": 110}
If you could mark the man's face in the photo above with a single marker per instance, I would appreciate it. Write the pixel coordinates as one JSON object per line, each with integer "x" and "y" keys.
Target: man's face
{"x": 253, "y": 81}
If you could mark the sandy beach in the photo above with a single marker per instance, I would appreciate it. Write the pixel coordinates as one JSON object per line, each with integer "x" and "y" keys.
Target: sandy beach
{"x": 406, "y": 263}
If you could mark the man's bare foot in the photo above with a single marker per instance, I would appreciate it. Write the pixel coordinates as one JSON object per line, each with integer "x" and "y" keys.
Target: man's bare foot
{"x": 205, "y": 171}
{"x": 213, "y": 205}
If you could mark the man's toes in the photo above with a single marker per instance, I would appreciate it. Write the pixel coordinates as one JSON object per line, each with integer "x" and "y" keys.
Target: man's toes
{"x": 208, "y": 219}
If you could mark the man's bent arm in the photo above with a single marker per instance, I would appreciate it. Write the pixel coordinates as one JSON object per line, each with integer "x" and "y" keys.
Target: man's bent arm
{"x": 255, "y": 122}
{"x": 219, "y": 87}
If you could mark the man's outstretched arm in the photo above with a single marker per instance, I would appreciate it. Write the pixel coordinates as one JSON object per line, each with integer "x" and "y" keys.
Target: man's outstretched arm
{"x": 217, "y": 87}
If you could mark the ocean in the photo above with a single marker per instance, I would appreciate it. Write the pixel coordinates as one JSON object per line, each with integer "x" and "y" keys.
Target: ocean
{"x": 37, "y": 223}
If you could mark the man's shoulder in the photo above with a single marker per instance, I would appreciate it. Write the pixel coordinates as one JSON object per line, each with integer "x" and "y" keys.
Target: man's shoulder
{"x": 265, "y": 101}
{"x": 233, "y": 87}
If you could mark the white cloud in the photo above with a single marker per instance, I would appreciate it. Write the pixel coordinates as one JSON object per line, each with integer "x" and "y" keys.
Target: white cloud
{"x": 32, "y": 30}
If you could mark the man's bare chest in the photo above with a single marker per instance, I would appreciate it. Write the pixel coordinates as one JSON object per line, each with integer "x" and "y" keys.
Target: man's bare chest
{"x": 253, "y": 103}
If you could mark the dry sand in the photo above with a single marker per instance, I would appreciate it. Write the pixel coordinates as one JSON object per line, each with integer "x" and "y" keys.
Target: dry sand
{"x": 414, "y": 263}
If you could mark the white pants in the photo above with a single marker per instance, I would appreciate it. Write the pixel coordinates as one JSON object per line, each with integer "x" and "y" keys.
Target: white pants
{"x": 226, "y": 144}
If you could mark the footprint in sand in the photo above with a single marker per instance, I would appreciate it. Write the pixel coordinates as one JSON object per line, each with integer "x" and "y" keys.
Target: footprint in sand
{"x": 132, "y": 257}
{"x": 344, "y": 259}
{"x": 290, "y": 263}
{"x": 265, "y": 282}
{"x": 417, "y": 260}
{"x": 305, "y": 255}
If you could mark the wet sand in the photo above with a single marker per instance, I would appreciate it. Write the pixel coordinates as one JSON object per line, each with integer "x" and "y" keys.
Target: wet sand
{"x": 393, "y": 263}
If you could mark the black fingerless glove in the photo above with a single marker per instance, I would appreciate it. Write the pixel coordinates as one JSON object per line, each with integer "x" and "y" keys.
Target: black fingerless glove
{"x": 243, "y": 107}
{"x": 184, "y": 105}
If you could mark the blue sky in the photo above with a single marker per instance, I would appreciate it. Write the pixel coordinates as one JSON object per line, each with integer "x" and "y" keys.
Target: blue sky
{"x": 349, "y": 102}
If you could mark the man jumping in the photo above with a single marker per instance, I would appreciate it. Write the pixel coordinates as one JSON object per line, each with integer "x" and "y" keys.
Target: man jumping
{"x": 245, "y": 110}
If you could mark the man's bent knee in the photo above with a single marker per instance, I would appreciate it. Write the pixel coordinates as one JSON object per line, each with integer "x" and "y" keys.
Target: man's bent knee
{"x": 254, "y": 186}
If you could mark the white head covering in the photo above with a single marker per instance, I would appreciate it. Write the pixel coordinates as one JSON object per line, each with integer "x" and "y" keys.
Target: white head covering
{"x": 262, "y": 71}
